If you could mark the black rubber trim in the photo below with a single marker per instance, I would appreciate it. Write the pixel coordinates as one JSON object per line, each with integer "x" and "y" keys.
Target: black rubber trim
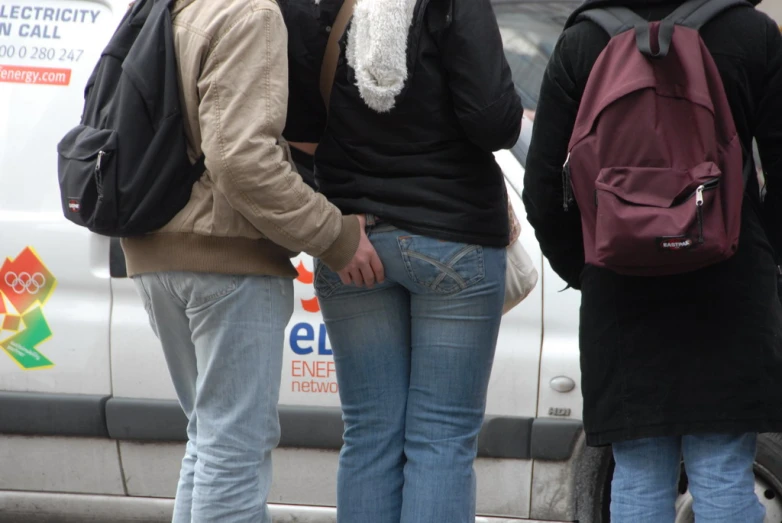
{"x": 145, "y": 420}
{"x": 117, "y": 267}
{"x": 554, "y": 439}
{"x": 312, "y": 428}
{"x": 163, "y": 420}
{"x": 302, "y": 427}
{"x": 39, "y": 414}
{"x": 505, "y": 437}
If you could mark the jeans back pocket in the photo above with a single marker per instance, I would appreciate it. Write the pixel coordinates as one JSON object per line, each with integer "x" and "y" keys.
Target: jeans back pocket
{"x": 440, "y": 266}
{"x": 325, "y": 281}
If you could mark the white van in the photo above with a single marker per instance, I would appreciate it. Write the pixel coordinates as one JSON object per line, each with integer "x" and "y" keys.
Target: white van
{"x": 89, "y": 426}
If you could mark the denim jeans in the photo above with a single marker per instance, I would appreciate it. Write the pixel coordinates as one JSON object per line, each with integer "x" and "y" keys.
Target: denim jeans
{"x": 719, "y": 470}
{"x": 413, "y": 358}
{"x": 223, "y": 341}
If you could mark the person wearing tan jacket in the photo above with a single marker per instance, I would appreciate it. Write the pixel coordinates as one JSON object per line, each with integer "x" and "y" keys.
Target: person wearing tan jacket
{"x": 217, "y": 281}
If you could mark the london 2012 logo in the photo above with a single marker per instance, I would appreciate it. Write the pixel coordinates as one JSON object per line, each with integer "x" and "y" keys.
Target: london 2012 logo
{"x": 25, "y": 286}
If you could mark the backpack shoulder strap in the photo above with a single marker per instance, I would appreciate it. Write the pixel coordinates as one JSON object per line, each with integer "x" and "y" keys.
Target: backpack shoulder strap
{"x": 613, "y": 20}
{"x": 328, "y": 69}
{"x": 697, "y": 13}
{"x": 617, "y": 20}
{"x": 693, "y": 14}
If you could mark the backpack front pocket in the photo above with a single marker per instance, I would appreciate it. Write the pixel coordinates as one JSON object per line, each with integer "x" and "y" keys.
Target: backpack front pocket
{"x": 87, "y": 172}
{"x": 657, "y": 218}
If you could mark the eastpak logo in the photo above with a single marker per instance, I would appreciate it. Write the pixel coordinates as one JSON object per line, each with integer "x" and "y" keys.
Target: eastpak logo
{"x": 677, "y": 243}
{"x": 74, "y": 205}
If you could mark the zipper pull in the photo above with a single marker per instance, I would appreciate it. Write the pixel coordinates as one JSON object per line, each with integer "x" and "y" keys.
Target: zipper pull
{"x": 699, "y": 208}
{"x": 567, "y": 195}
{"x": 99, "y": 175}
{"x": 101, "y": 154}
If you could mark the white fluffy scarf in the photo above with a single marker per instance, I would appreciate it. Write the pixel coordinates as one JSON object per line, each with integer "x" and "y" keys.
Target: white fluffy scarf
{"x": 377, "y": 49}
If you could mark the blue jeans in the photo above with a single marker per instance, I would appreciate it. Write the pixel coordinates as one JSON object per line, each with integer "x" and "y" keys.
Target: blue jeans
{"x": 719, "y": 470}
{"x": 223, "y": 341}
{"x": 413, "y": 358}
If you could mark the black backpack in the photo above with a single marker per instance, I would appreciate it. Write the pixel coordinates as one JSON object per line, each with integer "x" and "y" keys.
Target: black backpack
{"x": 124, "y": 171}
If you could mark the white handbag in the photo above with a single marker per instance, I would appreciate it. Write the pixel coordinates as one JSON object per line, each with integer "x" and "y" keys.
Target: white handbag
{"x": 521, "y": 276}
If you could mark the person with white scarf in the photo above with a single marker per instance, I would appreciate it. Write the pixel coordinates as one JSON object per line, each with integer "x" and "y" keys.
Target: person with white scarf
{"x": 422, "y": 97}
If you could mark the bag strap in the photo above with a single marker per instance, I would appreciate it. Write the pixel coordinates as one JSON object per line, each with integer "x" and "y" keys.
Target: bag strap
{"x": 613, "y": 20}
{"x": 329, "y": 68}
{"x": 618, "y": 20}
{"x": 693, "y": 14}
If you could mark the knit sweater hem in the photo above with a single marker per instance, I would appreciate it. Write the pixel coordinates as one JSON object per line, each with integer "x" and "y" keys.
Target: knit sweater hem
{"x": 189, "y": 252}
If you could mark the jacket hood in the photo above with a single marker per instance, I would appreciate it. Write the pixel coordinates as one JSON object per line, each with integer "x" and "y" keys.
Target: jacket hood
{"x": 377, "y": 49}
{"x": 589, "y": 4}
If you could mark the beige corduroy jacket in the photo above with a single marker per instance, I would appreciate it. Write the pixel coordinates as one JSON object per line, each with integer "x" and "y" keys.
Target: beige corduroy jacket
{"x": 250, "y": 211}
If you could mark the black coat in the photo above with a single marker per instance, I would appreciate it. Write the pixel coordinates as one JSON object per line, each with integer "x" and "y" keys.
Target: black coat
{"x": 426, "y": 166}
{"x": 698, "y": 352}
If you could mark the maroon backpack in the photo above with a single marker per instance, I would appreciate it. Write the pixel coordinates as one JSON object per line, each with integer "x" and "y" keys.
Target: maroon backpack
{"x": 655, "y": 163}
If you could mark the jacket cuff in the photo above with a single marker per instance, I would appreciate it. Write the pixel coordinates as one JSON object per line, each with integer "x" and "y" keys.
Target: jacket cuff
{"x": 345, "y": 246}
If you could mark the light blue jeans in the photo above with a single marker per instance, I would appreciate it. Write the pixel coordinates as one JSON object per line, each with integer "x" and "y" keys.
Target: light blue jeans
{"x": 413, "y": 359}
{"x": 719, "y": 470}
{"x": 223, "y": 341}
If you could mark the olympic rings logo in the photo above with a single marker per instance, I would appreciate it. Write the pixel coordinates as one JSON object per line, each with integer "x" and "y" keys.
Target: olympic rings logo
{"x": 25, "y": 282}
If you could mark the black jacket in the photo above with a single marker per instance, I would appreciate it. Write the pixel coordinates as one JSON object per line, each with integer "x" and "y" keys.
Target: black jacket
{"x": 698, "y": 352}
{"x": 426, "y": 166}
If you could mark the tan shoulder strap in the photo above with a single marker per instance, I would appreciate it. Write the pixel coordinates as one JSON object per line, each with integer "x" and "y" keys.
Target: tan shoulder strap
{"x": 329, "y": 68}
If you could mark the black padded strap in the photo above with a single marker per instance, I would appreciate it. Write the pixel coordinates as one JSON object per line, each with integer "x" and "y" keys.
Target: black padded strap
{"x": 617, "y": 20}
{"x": 613, "y": 20}
{"x": 693, "y": 14}
{"x": 697, "y": 13}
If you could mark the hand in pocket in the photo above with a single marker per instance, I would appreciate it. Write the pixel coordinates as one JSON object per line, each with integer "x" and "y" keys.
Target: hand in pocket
{"x": 365, "y": 268}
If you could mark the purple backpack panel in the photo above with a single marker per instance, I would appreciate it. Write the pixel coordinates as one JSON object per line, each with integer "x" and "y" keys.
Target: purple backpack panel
{"x": 656, "y": 165}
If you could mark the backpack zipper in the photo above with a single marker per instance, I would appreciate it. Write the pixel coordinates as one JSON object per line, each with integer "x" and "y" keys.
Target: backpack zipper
{"x": 567, "y": 189}
{"x": 699, "y": 205}
{"x": 99, "y": 174}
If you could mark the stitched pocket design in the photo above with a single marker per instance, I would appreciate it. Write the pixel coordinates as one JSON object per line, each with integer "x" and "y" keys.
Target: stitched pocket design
{"x": 440, "y": 266}
{"x": 326, "y": 280}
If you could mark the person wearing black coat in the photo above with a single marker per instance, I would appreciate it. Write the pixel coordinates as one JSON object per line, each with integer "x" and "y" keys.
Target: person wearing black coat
{"x": 423, "y": 96}
{"x": 687, "y": 365}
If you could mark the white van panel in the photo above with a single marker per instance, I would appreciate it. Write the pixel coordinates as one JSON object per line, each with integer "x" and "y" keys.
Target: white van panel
{"x": 138, "y": 366}
{"x": 54, "y": 464}
{"x": 307, "y": 477}
{"x": 63, "y": 345}
{"x": 54, "y": 317}
{"x": 151, "y": 469}
{"x": 308, "y": 373}
{"x": 25, "y": 507}
{"x": 560, "y": 349}
{"x": 42, "y": 81}
{"x": 513, "y": 388}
